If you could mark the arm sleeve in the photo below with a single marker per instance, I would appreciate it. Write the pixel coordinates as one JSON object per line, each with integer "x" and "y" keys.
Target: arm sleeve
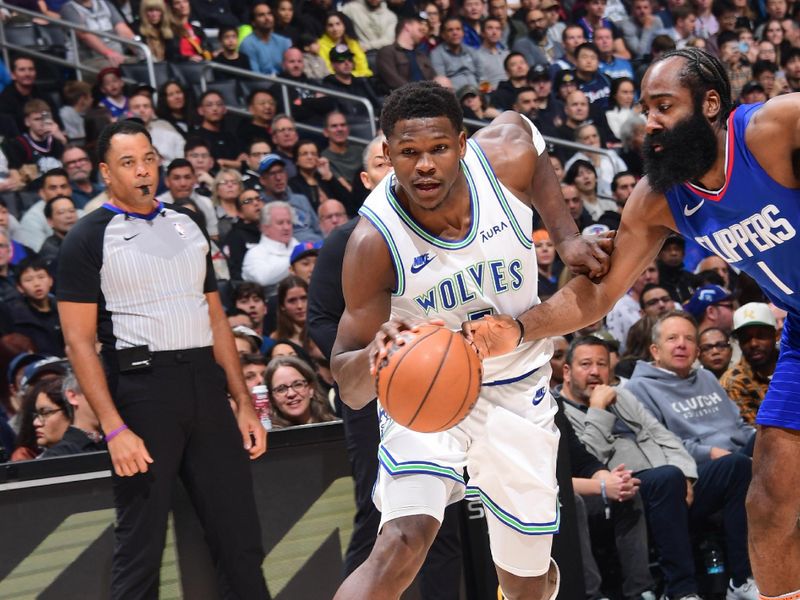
{"x": 80, "y": 262}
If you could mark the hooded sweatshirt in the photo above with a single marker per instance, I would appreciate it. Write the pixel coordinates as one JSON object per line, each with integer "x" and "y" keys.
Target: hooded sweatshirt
{"x": 695, "y": 408}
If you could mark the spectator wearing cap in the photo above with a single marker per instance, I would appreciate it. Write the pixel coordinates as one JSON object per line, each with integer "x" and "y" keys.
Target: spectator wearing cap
{"x": 345, "y": 157}
{"x": 275, "y": 183}
{"x": 247, "y": 341}
{"x": 640, "y": 28}
{"x": 510, "y": 29}
{"x": 342, "y": 62}
{"x": 35, "y": 315}
{"x": 303, "y": 259}
{"x": 453, "y": 59}
{"x": 268, "y": 262}
{"x": 672, "y": 274}
{"x": 15, "y": 373}
{"x": 537, "y": 48}
{"x": 711, "y": 306}
{"x": 550, "y": 108}
{"x": 753, "y": 93}
{"x": 263, "y": 46}
{"x": 474, "y": 104}
{"x": 99, "y": 16}
{"x": 331, "y": 213}
{"x": 403, "y": 61}
{"x": 516, "y": 69}
{"x": 373, "y": 22}
{"x": 492, "y": 53}
{"x": 746, "y": 382}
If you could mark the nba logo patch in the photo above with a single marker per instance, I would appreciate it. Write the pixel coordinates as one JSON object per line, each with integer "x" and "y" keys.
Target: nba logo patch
{"x": 539, "y": 396}
{"x": 181, "y": 231}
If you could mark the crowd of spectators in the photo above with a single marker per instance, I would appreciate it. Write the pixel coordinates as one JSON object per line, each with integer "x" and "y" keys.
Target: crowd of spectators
{"x": 269, "y": 191}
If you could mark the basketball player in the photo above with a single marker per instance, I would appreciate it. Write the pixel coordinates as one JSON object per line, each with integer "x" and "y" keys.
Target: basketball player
{"x": 449, "y": 237}
{"x": 729, "y": 179}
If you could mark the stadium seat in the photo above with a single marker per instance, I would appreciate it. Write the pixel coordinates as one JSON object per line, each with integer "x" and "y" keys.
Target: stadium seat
{"x": 228, "y": 90}
{"x": 138, "y": 72}
{"x": 190, "y": 74}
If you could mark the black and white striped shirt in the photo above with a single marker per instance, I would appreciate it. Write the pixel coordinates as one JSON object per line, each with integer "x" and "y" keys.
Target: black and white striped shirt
{"x": 148, "y": 274}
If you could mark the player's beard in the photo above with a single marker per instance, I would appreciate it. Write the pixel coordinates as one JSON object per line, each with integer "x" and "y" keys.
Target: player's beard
{"x": 688, "y": 151}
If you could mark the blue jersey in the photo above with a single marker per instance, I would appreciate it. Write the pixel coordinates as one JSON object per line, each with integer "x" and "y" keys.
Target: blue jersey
{"x": 750, "y": 222}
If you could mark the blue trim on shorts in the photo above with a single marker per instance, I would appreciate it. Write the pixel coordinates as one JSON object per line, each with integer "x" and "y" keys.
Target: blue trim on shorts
{"x": 512, "y": 521}
{"x": 418, "y": 467}
{"x": 512, "y": 379}
{"x": 781, "y": 406}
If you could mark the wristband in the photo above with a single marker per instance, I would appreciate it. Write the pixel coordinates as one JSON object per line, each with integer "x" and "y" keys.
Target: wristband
{"x": 111, "y": 435}
{"x": 521, "y": 331}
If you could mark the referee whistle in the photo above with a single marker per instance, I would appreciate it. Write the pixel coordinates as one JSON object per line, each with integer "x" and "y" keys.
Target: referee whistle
{"x": 145, "y": 190}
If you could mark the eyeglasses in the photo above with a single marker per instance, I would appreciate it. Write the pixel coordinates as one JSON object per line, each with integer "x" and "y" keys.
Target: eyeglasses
{"x": 284, "y": 130}
{"x": 297, "y": 386}
{"x": 43, "y": 413}
{"x": 250, "y": 200}
{"x": 725, "y": 304}
{"x": 5, "y": 246}
{"x": 706, "y": 348}
{"x": 661, "y": 300}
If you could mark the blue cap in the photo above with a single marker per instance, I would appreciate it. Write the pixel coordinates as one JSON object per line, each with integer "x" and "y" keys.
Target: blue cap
{"x": 268, "y": 161}
{"x": 304, "y": 249}
{"x": 704, "y": 297}
{"x": 20, "y": 361}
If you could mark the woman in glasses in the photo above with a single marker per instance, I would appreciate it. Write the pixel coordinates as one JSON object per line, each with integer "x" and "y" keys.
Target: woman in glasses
{"x": 294, "y": 393}
{"x": 715, "y": 350}
{"x": 46, "y": 418}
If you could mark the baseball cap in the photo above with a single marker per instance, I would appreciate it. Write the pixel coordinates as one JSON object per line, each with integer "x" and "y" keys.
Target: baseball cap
{"x": 605, "y": 336}
{"x": 20, "y": 361}
{"x": 753, "y": 313}
{"x": 467, "y": 90}
{"x": 249, "y": 333}
{"x": 304, "y": 249}
{"x": 340, "y": 52}
{"x": 545, "y": 4}
{"x": 563, "y": 77}
{"x": 674, "y": 239}
{"x": 52, "y": 364}
{"x": 538, "y": 73}
{"x": 267, "y": 162}
{"x": 103, "y": 72}
{"x": 704, "y": 297}
{"x": 752, "y": 86}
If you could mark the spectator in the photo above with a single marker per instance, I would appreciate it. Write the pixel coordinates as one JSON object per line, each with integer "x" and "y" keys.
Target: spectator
{"x": 8, "y": 284}
{"x": 746, "y": 382}
{"x": 249, "y": 297}
{"x": 375, "y": 166}
{"x": 631, "y": 135}
{"x": 555, "y": 26}
{"x": 315, "y": 179}
{"x": 678, "y": 494}
{"x": 158, "y": 31}
{"x": 331, "y": 214}
{"x": 560, "y": 345}
{"x": 605, "y": 166}
{"x": 262, "y": 107}
{"x": 727, "y": 14}
{"x": 576, "y": 111}
{"x": 590, "y": 80}
{"x": 61, "y": 215}
{"x": 181, "y": 181}
{"x": 719, "y": 266}
{"x": 253, "y": 369}
{"x": 77, "y": 102}
{"x": 640, "y": 28}
{"x": 216, "y": 14}
{"x": 510, "y": 29}
{"x": 247, "y": 341}
{"x": 314, "y": 66}
{"x": 103, "y": 17}
{"x": 285, "y": 22}
{"x": 682, "y": 31}
{"x": 302, "y": 262}
{"x": 550, "y": 109}
{"x": 35, "y": 315}
{"x": 345, "y": 157}
{"x": 655, "y": 301}
{"x": 611, "y": 65}
{"x": 373, "y": 22}
{"x": 267, "y": 263}
{"x": 226, "y": 190}
{"x": 403, "y": 61}
{"x": 41, "y": 145}
{"x": 575, "y": 206}
{"x": 264, "y": 47}
{"x": 292, "y": 306}
{"x": 198, "y": 153}
{"x": 621, "y": 102}
{"x": 472, "y": 14}
{"x": 166, "y": 139}
{"x": 711, "y": 306}
{"x": 516, "y": 68}
{"x": 223, "y": 144}
{"x": 621, "y": 187}
{"x": 492, "y": 53}
{"x": 284, "y": 140}
{"x": 307, "y": 105}
{"x": 79, "y": 168}
{"x": 245, "y": 232}
{"x": 706, "y": 24}
{"x": 753, "y": 93}
{"x": 536, "y": 46}
{"x": 192, "y": 42}
{"x": 672, "y": 275}
{"x": 572, "y": 37}
{"x": 256, "y": 150}
{"x": 83, "y": 434}
{"x": 582, "y": 174}
{"x": 33, "y": 227}
{"x": 715, "y": 350}
{"x": 175, "y": 106}
{"x": 275, "y": 182}
{"x": 24, "y": 88}
{"x": 431, "y": 19}
{"x": 344, "y": 80}
{"x": 545, "y": 257}
{"x": 52, "y": 415}
{"x": 335, "y": 35}
{"x": 475, "y": 106}
{"x": 453, "y": 59}
{"x": 111, "y": 93}
{"x": 627, "y": 310}
{"x": 736, "y": 65}
{"x": 295, "y": 394}
{"x": 229, "y": 54}
{"x": 790, "y": 63}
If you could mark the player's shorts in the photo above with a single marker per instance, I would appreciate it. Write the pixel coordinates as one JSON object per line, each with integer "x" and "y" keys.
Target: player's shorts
{"x": 781, "y": 406}
{"x": 508, "y": 444}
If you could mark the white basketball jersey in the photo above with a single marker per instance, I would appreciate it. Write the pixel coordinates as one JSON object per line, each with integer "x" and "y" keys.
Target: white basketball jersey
{"x": 492, "y": 270}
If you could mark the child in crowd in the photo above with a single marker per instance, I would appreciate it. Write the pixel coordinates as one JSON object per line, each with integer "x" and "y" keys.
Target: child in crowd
{"x": 314, "y": 66}
{"x": 78, "y": 100}
{"x": 229, "y": 52}
{"x": 35, "y": 315}
{"x": 112, "y": 92}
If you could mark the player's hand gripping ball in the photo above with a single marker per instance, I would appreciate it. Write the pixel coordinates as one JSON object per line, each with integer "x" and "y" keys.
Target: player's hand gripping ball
{"x": 431, "y": 381}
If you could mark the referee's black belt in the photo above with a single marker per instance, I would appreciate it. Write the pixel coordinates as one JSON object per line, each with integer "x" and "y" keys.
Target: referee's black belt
{"x": 171, "y": 357}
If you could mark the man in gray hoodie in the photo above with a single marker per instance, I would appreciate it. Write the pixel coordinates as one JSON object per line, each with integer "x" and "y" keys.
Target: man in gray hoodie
{"x": 692, "y": 405}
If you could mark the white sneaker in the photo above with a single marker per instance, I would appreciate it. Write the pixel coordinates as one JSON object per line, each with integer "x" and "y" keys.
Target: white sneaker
{"x": 746, "y": 591}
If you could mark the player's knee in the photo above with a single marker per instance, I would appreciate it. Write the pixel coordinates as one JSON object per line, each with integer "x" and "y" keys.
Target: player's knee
{"x": 403, "y": 543}
{"x": 525, "y": 588}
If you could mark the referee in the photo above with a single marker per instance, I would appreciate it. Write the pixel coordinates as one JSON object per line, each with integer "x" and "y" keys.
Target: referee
{"x": 138, "y": 276}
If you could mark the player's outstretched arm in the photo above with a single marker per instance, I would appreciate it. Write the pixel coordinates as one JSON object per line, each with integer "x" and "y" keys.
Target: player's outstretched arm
{"x": 368, "y": 278}
{"x": 773, "y": 136}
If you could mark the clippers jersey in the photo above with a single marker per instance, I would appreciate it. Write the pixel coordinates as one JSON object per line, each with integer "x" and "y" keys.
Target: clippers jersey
{"x": 750, "y": 223}
{"x": 492, "y": 270}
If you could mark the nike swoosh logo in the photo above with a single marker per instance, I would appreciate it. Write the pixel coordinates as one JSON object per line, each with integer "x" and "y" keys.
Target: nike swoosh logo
{"x": 690, "y": 211}
{"x": 130, "y": 237}
{"x": 421, "y": 262}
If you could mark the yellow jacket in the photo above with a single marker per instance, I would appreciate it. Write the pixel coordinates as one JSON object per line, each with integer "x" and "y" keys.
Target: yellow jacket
{"x": 360, "y": 67}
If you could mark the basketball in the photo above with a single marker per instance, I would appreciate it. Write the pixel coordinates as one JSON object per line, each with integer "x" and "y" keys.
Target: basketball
{"x": 432, "y": 381}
